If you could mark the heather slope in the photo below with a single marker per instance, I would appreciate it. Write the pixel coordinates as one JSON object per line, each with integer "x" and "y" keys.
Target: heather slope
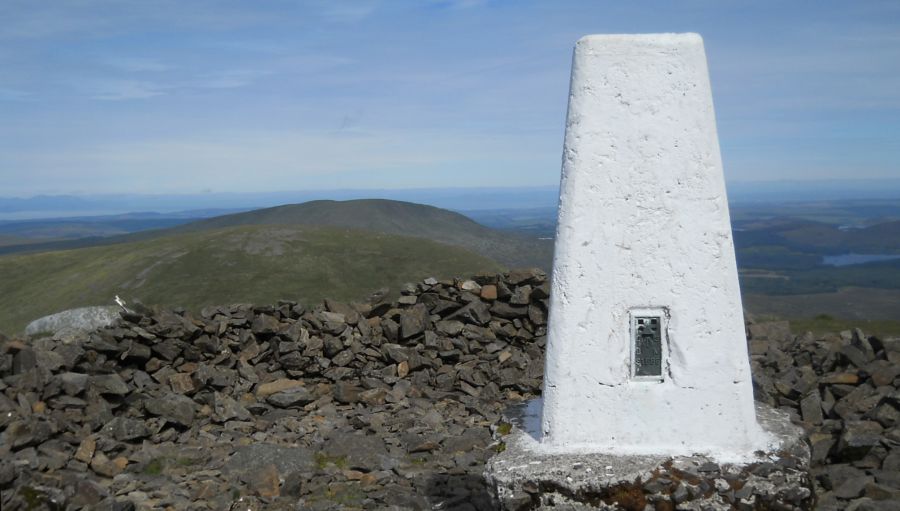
{"x": 375, "y": 215}
{"x": 396, "y": 217}
{"x": 251, "y": 263}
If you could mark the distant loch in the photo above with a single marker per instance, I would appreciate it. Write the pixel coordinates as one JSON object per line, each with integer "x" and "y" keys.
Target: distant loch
{"x": 850, "y": 259}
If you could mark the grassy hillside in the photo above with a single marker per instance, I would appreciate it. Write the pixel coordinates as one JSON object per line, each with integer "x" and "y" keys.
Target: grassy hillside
{"x": 62, "y": 228}
{"x": 874, "y": 310}
{"x": 13, "y": 240}
{"x": 852, "y": 212}
{"x": 376, "y": 215}
{"x": 395, "y": 217}
{"x": 817, "y": 237}
{"x": 257, "y": 264}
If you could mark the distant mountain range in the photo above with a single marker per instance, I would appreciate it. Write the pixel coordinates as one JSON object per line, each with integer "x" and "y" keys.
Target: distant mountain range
{"x": 54, "y": 206}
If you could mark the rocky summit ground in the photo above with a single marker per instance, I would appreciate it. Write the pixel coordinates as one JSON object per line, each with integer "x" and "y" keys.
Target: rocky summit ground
{"x": 381, "y": 405}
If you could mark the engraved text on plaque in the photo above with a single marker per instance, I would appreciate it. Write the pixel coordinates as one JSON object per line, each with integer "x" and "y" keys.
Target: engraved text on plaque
{"x": 647, "y": 346}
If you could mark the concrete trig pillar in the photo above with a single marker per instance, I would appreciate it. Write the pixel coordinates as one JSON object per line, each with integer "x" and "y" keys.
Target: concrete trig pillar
{"x": 646, "y": 346}
{"x": 647, "y": 393}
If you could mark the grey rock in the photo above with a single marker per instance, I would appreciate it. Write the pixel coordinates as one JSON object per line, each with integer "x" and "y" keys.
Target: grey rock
{"x": 351, "y": 315}
{"x": 175, "y": 408}
{"x": 811, "y": 408}
{"x": 332, "y": 346}
{"x": 20, "y": 434}
{"x": 858, "y": 439}
{"x": 358, "y": 452}
{"x": 852, "y": 487}
{"x": 855, "y": 356}
{"x": 297, "y": 396}
{"x": 264, "y": 324}
{"x": 866, "y": 504}
{"x": 537, "y": 314}
{"x": 476, "y": 312}
{"x": 343, "y": 358}
{"x": 24, "y": 360}
{"x": 886, "y": 414}
{"x": 413, "y": 321}
{"x": 88, "y": 494}
{"x": 112, "y": 384}
{"x": 518, "y": 276}
{"x": 286, "y": 459}
{"x": 880, "y": 492}
{"x": 771, "y": 330}
{"x": 169, "y": 349}
{"x": 83, "y": 319}
{"x": 347, "y": 393}
{"x": 451, "y": 328}
{"x": 394, "y": 352}
{"x": 225, "y": 408}
{"x": 124, "y": 429}
{"x": 7, "y": 473}
{"x": 48, "y": 360}
{"x": 505, "y": 310}
{"x": 888, "y": 476}
{"x": 467, "y": 441}
{"x": 833, "y": 475}
{"x": 521, "y": 295}
{"x": 72, "y": 383}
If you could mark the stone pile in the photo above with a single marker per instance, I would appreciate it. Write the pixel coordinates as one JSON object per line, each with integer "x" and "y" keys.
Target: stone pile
{"x": 844, "y": 389}
{"x": 382, "y": 405}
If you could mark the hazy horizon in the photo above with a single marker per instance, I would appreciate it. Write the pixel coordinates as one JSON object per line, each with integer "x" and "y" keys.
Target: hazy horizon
{"x": 454, "y": 198}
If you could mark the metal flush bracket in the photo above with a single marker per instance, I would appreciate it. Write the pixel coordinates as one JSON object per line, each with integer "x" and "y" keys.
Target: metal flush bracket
{"x": 649, "y": 343}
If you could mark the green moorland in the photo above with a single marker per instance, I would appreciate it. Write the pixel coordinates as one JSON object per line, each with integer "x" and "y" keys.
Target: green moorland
{"x": 245, "y": 264}
{"x": 874, "y": 310}
{"x": 395, "y": 217}
{"x": 824, "y": 323}
{"x": 64, "y": 228}
{"x": 374, "y": 215}
{"x": 14, "y": 240}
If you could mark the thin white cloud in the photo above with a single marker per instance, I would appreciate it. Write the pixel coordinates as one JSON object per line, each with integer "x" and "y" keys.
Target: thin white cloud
{"x": 257, "y": 161}
{"x": 458, "y": 4}
{"x": 14, "y": 95}
{"x": 122, "y": 90}
{"x": 24, "y": 19}
{"x": 137, "y": 64}
{"x": 347, "y": 11}
{"x": 229, "y": 79}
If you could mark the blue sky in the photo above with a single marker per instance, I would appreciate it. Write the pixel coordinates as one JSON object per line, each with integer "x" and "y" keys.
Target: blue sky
{"x": 192, "y": 97}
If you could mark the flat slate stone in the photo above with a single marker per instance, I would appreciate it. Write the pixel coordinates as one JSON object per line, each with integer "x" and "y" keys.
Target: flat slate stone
{"x": 286, "y": 459}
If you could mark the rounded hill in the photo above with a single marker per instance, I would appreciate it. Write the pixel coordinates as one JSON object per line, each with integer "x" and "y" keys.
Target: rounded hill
{"x": 244, "y": 263}
{"x": 395, "y": 217}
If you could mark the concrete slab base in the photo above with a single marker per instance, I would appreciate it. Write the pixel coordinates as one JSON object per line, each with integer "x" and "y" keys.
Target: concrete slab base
{"x": 522, "y": 477}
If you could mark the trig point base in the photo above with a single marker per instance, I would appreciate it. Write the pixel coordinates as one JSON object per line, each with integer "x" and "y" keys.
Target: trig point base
{"x": 647, "y": 390}
{"x": 526, "y": 477}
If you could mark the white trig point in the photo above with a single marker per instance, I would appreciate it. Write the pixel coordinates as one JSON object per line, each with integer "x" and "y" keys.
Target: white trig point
{"x": 646, "y": 349}
{"x": 647, "y": 376}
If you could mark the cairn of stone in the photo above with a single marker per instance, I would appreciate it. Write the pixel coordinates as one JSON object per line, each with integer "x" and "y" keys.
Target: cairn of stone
{"x": 257, "y": 406}
{"x": 378, "y": 405}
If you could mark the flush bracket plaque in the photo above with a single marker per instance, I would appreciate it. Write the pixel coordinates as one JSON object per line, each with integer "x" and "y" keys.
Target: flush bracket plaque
{"x": 648, "y": 344}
